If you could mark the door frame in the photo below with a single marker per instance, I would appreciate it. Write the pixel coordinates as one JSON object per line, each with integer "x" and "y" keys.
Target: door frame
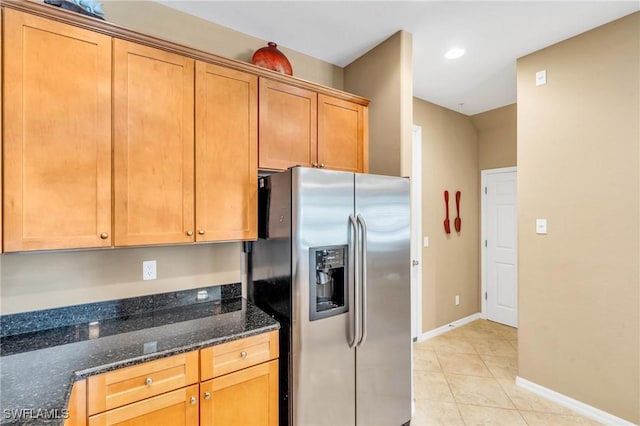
{"x": 416, "y": 231}
{"x": 483, "y": 231}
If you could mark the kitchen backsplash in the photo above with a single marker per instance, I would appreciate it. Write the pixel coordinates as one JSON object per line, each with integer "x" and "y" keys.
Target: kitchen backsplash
{"x": 80, "y": 314}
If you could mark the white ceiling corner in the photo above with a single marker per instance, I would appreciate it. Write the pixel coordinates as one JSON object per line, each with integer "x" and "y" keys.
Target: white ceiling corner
{"x": 494, "y": 34}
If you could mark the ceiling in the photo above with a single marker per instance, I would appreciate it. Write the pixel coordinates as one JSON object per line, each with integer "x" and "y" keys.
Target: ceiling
{"x": 493, "y": 33}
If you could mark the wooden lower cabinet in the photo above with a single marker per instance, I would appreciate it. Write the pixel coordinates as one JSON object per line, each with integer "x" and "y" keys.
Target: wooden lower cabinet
{"x": 247, "y": 397}
{"x": 77, "y": 405}
{"x": 131, "y": 384}
{"x": 175, "y": 408}
{"x": 238, "y": 387}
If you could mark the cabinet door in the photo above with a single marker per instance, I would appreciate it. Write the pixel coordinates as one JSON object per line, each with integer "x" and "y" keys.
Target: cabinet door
{"x": 341, "y": 134}
{"x": 226, "y": 154}
{"x": 247, "y": 397}
{"x": 288, "y": 126}
{"x": 77, "y": 405}
{"x": 153, "y": 146}
{"x": 57, "y": 135}
{"x": 176, "y": 408}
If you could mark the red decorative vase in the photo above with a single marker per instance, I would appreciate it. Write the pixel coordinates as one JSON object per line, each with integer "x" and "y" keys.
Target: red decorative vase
{"x": 271, "y": 58}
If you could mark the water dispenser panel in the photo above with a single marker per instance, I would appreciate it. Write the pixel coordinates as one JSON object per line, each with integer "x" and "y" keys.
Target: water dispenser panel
{"x": 328, "y": 282}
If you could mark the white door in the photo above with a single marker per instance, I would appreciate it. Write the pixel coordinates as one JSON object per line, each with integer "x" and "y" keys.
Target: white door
{"x": 500, "y": 246}
{"x": 416, "y": 233}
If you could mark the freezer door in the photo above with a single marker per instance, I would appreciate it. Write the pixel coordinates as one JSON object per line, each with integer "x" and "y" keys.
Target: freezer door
{"x": 383, "y": 358}
{"x": 323, "y": 375}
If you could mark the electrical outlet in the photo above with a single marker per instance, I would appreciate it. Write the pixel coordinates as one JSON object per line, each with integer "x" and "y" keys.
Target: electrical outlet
{"x": 457, "y": 300}
{"x": 149, "y": 270}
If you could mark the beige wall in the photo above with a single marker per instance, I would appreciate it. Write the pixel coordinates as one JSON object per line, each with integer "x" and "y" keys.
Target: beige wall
{"x": 32, "y": 281}
{"x": 161, "y": 21}
{"x": 497, "y": 133}
{"x": 450, "y": 263}
{"x": 578, "y": 167}
{"x": 384, "y": 75}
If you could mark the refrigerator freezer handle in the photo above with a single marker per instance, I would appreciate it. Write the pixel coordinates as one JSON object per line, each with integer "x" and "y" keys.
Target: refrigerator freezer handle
{"x": 363, "y": 279}
{"x": 353, "y": 248}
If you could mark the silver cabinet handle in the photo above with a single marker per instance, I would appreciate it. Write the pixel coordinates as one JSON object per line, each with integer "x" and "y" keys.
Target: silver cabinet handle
{"x": 322, "y": 165}
{"x": 243, "y": 354}
{"x": 315, "y": 165}
{"x": 149, "y": 381}
{"x": 207, "y": 395}
{"x": 193, "y": 400}
{"x": 200, "y": 231}
{"x": 363, "y": 224}
{"x": 356, "y": 279}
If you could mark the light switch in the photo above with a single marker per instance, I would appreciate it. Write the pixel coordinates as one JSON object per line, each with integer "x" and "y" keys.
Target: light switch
{"x": 541, "y": 226}
{"x": 541, "y": 78}
{"x": 426, "y": 241}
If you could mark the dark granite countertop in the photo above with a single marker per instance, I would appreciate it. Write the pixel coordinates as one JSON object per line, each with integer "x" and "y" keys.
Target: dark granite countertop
{"x": 38, "y": 368}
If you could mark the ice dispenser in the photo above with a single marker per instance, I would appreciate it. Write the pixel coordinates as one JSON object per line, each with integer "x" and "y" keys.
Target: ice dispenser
{"x": 328, "y": 292}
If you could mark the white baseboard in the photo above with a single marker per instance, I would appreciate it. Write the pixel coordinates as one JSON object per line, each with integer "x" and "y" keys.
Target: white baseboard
{"x": 573, "y": 404}
{"x": 451, "y": 326}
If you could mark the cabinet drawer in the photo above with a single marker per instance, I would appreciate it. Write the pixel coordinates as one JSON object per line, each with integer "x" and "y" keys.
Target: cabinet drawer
{"x": 176, "y": 408}
{"x": 228, "y": 357}
{"x": 130, "y": 384}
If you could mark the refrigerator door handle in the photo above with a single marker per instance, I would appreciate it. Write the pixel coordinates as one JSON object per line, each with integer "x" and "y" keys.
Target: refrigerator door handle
{"x": 363, "y": 279}
{"x": 355, "y": 266}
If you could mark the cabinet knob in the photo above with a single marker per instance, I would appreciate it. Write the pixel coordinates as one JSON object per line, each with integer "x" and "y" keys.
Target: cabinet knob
{"x": 322, "y": 165}
{"x": 149, "y": 381}
{"x": 243, "y": 354}
{"x": 190, "y": 233}
{"x": 207, "y": 395}
{"x": 104, "y": 235}
{"x": 193, "y": 400}
{"x": 200, "y": 231}
{"x": 315, "y": 165}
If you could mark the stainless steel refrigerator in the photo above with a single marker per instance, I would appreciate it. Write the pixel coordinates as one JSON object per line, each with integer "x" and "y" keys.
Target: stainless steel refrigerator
{"x": 333, "y": 266}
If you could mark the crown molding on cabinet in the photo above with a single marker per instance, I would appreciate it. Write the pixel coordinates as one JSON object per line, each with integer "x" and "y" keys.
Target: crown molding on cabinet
{"x": 114, "y": 30}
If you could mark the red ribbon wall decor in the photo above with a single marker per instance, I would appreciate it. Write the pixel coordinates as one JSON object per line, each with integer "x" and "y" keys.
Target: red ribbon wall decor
{"x": 457, "y": 223}
{"x": 447, "y": 225}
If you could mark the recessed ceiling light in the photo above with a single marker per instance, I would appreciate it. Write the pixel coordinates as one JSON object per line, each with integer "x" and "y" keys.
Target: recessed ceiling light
{"x": 454, "y": 53}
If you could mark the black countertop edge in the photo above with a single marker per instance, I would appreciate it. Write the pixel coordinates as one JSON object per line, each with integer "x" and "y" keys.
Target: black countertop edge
{"x": 83, "y": 374}
{"x": 35, "y": 321}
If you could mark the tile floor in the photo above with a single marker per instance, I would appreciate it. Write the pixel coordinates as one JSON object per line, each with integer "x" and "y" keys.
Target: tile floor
{"x": 467, "y": 377}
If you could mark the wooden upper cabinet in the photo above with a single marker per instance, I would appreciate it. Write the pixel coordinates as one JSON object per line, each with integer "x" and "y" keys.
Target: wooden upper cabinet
{"x": 226, "y": 154}
{"x": 153, "y": 146}
{"x": 288, "y": 126}
{"x": 341, "y": 135}
{"x": 57, "y": 135}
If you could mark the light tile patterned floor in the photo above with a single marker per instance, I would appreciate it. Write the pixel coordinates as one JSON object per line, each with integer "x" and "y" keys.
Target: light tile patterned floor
{"x": 467, "y": 377}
